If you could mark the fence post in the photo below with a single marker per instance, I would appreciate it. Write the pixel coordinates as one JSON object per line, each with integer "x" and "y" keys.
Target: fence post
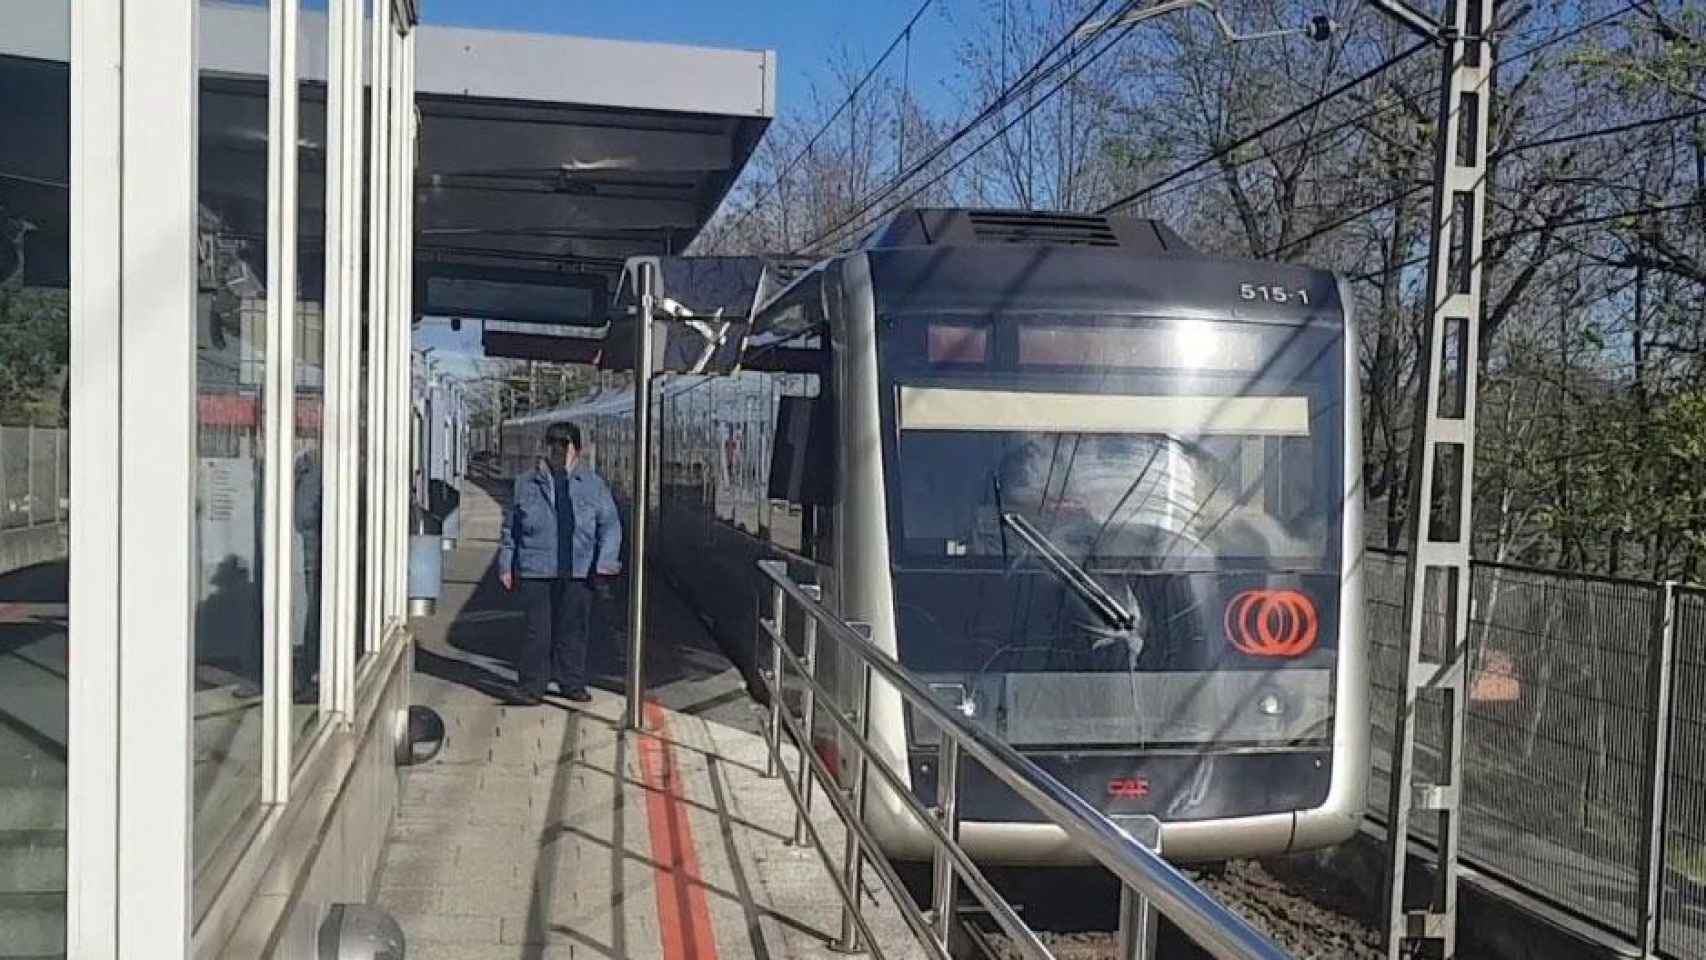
{"x": 5, "y": 503}
{"x": 853, "y": 859}
{"x": 30, "y": 472}
{"x": 1661, "y": 674}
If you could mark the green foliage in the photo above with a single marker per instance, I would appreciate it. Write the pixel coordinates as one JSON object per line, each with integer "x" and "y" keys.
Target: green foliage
{"x": 35, "y": 349}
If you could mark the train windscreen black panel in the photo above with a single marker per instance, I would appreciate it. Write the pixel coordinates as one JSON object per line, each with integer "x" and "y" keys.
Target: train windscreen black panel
{"x": 1124, "y": 533}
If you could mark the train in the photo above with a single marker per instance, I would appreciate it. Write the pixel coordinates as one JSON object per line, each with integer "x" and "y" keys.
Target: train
{"x": 1099, "y": 490}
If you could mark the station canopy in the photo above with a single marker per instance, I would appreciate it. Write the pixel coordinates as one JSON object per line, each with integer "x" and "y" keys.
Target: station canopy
{"x": 545, "y": 161}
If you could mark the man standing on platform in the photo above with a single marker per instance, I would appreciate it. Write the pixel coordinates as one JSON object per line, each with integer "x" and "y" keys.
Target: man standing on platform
{"x": 561, "y": 542}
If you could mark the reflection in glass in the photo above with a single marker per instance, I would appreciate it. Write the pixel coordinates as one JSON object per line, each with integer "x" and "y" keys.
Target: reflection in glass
{"x": 35, "y": 315}
{"x": 231, "y": 359}
{"x": 310, "y": 379}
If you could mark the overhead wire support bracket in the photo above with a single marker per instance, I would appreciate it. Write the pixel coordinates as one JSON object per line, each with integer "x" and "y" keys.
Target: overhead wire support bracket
{"x": 1419, "y": 23}
{"x": 1319, "y": 28}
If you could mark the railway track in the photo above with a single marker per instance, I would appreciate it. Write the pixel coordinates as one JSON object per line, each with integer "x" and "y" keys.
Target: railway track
{"x": 1075, "y": 918}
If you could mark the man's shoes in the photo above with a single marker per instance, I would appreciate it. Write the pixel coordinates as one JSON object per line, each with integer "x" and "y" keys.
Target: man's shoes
{"x": 578, "y": 695}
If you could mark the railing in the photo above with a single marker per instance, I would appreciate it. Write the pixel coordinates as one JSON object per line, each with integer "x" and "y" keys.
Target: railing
{"x": 1585, "y": 764}
{"x": 1148, "y": 883}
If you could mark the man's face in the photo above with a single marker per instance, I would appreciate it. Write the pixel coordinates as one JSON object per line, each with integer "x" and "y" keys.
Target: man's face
{"x": 562, "y": 452}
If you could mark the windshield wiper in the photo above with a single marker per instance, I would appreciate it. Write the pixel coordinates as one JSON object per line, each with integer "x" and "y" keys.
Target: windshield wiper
{"x": 1072, "y": 574}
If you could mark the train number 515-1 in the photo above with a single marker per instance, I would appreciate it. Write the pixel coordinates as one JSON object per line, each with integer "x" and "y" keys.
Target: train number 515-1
{"x": 1272, "y": 294}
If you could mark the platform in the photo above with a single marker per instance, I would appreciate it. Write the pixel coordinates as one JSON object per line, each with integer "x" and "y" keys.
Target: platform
{"x": 547, "y": 833}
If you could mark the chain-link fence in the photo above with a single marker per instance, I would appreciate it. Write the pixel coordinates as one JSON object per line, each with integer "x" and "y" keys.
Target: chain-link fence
{"x": 1559, "y": 768}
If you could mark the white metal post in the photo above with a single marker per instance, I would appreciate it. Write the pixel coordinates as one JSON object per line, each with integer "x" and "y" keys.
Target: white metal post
{"x": 332, "y": 399}
{"x": 374, "y": 525}
{"x": 404, "y": 278}
{"x": 92, "y": 759}
{"x": 355, "y": 193}
{"x": 1661, "y": 679}
{"x": 280, "y": 404}
{"x": 343, "y": 361}
{"x": 393, "y": 415}
{"x": 396, "y": 562}
{"x": 157, "y": 450}
{"x": 639, "y": 501}
{"x": 1443, "y": 450}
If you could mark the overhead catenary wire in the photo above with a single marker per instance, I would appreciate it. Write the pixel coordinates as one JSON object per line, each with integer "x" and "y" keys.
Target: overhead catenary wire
{"x": 1023, "y": 85}
{"x": 1026, "y": 81}
{"x": 1257, "y": 134}
{"x": 966, "y": 158}
{"x": 1294, "y": 244}
{"x": 1415, "y": 188}
{"x": 1151, "y": 192}
{"x": 1542, "y": 228}
{"x": 905, "y": 35}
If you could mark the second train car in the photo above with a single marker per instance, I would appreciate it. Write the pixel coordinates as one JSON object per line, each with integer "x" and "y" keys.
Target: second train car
{"x": 1097, "y": 489}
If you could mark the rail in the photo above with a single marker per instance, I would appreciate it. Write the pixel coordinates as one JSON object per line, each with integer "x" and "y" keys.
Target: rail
{"x": 1148, "y": 883}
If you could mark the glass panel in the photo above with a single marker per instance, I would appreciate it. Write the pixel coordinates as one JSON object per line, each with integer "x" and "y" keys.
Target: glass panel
{"x": 35, "y": 217}
{"x": 310, "y": 370}
{"x": 231, "y": 363}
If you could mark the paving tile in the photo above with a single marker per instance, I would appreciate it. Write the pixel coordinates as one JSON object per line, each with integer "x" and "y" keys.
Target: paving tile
{"x": 447, "y": 928}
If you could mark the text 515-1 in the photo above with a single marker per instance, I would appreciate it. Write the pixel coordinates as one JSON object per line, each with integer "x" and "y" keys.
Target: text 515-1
{"x": 1272, "y": 294}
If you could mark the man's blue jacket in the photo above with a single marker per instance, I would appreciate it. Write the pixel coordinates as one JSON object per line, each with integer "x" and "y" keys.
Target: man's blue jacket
{"x": 529, "y": 545}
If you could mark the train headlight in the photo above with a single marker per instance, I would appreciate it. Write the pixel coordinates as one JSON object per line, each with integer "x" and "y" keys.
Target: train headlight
{"x": 1271, "y": 705}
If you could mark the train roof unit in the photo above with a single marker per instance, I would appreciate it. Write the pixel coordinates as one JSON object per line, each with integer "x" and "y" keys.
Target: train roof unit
{"x": 975, "y": 262}
{"x": 966, "y": 227}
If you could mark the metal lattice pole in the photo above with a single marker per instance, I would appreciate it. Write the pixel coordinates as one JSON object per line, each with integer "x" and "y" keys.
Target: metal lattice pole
{"x": 1436, "y": 604}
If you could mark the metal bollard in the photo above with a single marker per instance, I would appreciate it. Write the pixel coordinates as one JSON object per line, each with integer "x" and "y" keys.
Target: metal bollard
{"x": 853, "y": 860}
{"x": 948, "y": 810}
{"x": 1139, "y": 923}
{"x": 809, "y": 704}
{"x": 778, "y": 614}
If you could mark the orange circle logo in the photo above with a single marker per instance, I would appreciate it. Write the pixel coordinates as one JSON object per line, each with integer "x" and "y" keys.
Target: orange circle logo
{"x": 1272, "y": 623}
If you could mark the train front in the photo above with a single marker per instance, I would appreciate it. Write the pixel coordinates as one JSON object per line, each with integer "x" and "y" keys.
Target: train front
{"x": 1123, "y": 522}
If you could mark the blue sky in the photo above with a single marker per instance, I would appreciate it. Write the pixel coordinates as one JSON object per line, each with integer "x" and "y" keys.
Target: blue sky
{"x": 802, "y": 32}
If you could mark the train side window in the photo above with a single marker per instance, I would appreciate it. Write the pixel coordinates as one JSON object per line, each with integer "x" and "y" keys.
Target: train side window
{"x": 799, "y": 471}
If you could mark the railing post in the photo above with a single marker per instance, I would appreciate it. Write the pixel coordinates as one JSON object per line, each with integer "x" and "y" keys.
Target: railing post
{"x": 639, "y": 495}
{"x": 853, "y": 860}
{"x": 1139, "y": 923}
{"x": 809, "y": 706}
{"x": 778, "y": 620}
{"x": 1661, "y": 674}
{"x": 948, "y": 810}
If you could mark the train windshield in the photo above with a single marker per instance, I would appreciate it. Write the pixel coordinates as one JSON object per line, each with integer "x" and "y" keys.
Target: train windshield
{"x": 1139, "y": 447}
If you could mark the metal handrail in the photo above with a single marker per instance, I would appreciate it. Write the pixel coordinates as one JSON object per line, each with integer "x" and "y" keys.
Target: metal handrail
{"x": 1148, "y": 882}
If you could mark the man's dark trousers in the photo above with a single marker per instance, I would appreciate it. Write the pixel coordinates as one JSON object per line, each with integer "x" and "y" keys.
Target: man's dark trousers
{"x": 559, "y": 626}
